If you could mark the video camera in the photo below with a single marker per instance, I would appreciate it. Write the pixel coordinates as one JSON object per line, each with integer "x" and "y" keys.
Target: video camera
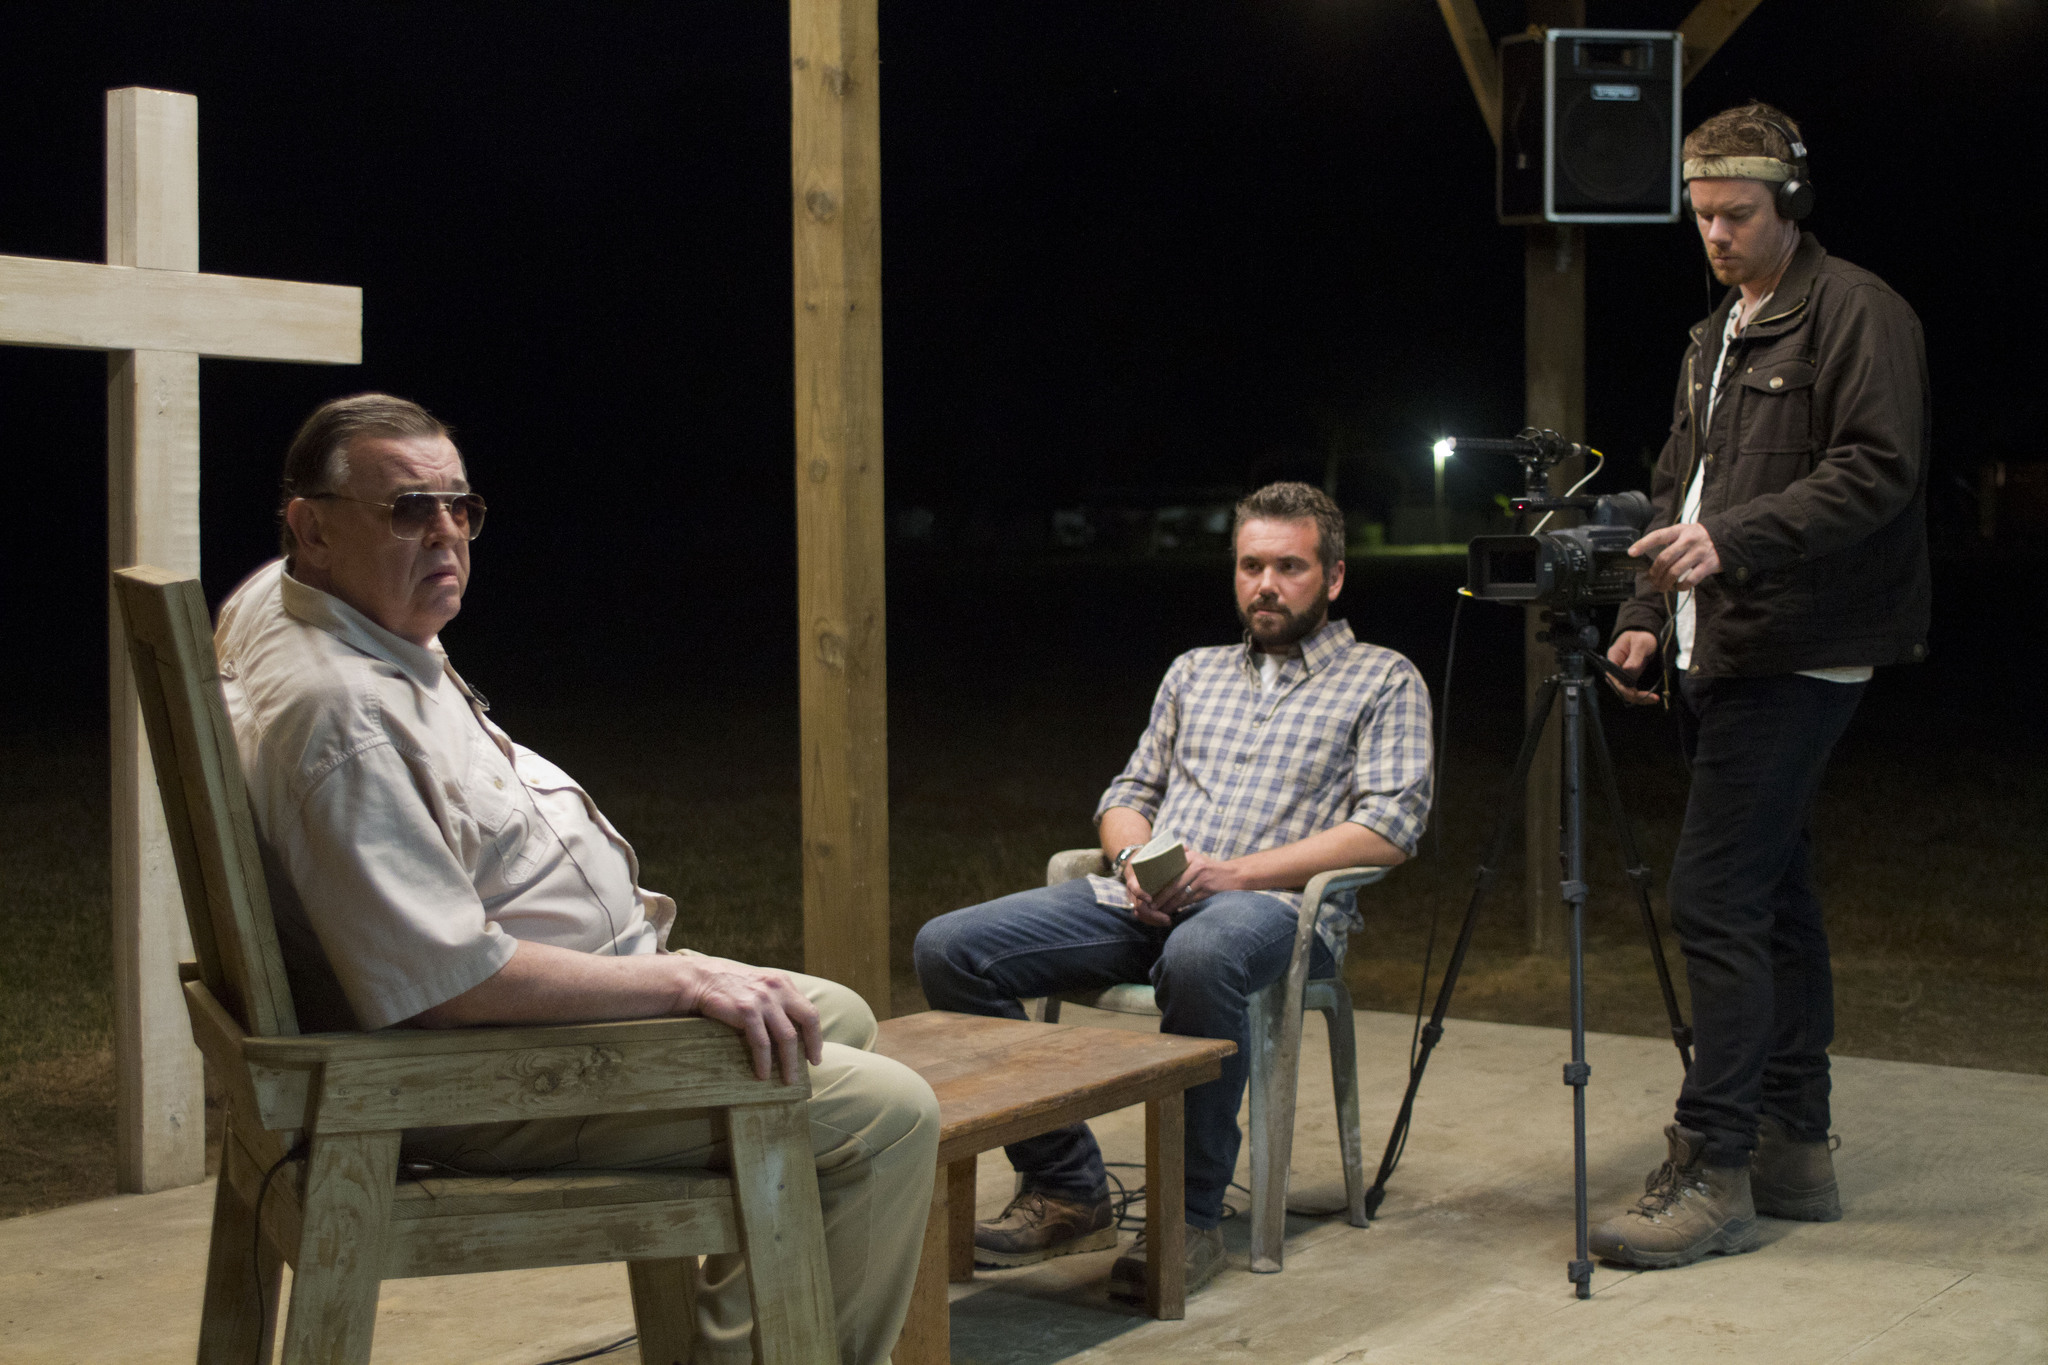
{"x": 1574, "y": 567}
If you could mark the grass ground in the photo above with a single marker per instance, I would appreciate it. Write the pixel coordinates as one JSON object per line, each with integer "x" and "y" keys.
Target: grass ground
{"x": 1931, "y": 858}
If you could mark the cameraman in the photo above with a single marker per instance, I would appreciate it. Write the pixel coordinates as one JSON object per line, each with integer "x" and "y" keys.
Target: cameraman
{"x": 1789, "y": 556}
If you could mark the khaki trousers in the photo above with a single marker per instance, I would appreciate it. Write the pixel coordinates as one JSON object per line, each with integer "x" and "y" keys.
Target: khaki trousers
{"x": 874, "y": 1130}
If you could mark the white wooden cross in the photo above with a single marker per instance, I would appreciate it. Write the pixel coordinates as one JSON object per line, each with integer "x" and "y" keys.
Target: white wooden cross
{"x": 156, "y": 315}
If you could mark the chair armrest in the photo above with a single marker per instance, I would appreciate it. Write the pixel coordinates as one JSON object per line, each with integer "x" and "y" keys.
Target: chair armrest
{"x": 1338, "y": 880}
{"x": 1073, "y": 864}
{"x": 419, "y": 1078}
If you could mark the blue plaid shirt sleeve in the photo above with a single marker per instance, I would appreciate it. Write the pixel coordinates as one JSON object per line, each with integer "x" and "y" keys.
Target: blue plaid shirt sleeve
{"x": 1393, "y": 772}
{"x": 1142, "y": 784}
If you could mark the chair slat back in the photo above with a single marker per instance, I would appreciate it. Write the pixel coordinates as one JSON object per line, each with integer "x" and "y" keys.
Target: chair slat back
{"x": 206, "y": 805}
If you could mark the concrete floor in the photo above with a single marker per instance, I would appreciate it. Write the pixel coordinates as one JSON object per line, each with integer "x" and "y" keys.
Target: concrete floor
{"x": 1943, "y": 1255}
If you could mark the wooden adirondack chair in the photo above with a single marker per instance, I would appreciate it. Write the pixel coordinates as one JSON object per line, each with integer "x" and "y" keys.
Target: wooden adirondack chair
{"x": 314, "y": 1120}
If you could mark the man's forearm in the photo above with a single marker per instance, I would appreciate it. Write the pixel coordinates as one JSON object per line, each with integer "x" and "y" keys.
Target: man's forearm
{"x": 1120, "y": 828}
{"x": 542, "y": 984}
{"x": 1292, "y": 865}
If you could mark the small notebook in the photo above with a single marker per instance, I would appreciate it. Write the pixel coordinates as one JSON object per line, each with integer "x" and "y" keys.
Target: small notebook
{"x": 1158, "y": 863}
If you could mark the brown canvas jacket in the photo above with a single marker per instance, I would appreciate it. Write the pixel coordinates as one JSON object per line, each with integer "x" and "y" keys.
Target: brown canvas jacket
{"x": 1816, "y": 479}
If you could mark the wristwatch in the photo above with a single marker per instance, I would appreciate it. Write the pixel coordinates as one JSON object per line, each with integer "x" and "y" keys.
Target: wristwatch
{"x": 1123, "y": 856}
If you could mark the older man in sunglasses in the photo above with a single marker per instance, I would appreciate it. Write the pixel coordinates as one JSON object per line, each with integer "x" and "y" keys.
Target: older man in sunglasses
{"x": 426, "y": 870}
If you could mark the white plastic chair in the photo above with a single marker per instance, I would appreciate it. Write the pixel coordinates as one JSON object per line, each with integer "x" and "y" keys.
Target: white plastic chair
{"x": 1275, "y": 1019}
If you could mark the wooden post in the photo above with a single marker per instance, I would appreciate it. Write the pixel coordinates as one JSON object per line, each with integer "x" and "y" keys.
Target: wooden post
{"x": 1554, "y": 397}
{"x": 153, "y": 518}
{"x": 835, "y": 134}
{"x": 1554, "y": 328}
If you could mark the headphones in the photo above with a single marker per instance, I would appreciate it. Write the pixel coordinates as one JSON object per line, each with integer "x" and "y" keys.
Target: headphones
{"x": 1794, "y": 194}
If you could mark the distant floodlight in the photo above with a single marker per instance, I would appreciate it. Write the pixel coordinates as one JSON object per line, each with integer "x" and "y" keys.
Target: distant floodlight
{"x": 1442, "y": 451}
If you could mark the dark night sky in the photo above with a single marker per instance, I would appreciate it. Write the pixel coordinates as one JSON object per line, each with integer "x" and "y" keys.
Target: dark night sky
{"x": 1125, "y": 243}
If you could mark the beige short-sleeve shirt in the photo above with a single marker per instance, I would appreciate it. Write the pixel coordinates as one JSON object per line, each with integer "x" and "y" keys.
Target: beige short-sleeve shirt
{"x": 408, "y": 841}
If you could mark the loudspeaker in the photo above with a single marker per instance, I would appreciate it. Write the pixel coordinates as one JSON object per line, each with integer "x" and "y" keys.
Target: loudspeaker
{"x": 1589, "y": 126}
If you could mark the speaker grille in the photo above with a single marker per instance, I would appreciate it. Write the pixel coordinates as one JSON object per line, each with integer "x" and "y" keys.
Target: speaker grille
{"x": 1613, "y": 151}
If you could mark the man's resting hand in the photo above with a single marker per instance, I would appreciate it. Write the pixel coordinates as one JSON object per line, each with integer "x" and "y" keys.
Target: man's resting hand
{"x": 779, "y": 1022}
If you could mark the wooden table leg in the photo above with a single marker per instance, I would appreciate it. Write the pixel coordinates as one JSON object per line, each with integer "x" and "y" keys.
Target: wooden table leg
{"x": 1165, "y": 1207}
{"x": 927, "y": 1337}
{"x": 959, "y": 1178}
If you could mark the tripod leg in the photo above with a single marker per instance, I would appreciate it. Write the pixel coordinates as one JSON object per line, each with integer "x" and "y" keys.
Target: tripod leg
{"x": 1639, "y": 877}
{"x": 1496, "y": 849}
{"x": 1573, "y": 837}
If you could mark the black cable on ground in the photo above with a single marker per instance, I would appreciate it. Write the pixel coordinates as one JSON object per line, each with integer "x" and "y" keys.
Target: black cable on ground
{"x": 1436, "y": 826}
{"x": 621, "y": 1344}
{"x": 297, "y": 1153}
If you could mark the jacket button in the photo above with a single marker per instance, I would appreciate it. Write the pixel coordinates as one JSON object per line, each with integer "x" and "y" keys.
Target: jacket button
{"x": 1777, "y": 381}
{"x": 1741, "y": 573}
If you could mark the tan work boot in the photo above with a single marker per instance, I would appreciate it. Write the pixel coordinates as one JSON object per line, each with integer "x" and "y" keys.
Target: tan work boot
{"x": 1795, "y": 1180}
{"x": 1688, "y": 1210}
{"x": 1204, "y": 1257}
{"x": 1037, "y": 1227}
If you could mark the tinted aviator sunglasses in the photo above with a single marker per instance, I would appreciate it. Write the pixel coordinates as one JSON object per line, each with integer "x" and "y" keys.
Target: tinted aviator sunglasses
{"x": 413, "y": 513}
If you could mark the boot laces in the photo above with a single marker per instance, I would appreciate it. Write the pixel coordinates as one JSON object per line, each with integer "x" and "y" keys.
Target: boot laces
{"x": 1666, "y": 1186}
{"x": 1030, "y": 1206}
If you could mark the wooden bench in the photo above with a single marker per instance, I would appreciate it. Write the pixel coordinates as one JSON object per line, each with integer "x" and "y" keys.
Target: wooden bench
{"x": 1000, "y": 1081}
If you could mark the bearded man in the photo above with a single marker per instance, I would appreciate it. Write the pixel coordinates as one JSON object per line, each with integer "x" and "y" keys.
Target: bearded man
{"x": 1300, "y": 750}
{"x": 1789, "y": 558}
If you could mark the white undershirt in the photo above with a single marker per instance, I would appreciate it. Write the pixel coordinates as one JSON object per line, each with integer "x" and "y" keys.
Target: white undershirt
{"x": 1686, "y": 620}
{"x": 1269, "y": 668}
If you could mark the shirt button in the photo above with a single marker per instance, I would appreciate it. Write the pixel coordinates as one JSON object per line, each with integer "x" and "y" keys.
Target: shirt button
{"x": 498, "y": 782}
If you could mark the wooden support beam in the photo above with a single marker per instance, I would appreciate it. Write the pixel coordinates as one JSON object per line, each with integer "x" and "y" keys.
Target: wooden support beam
{"x": 1554, "y": 331}
{"x": 1711, "y": 23}
{"x": 835, "y": 136}
{"x": 1476, "y": 55}
{"x": 152, "y": 517}
{"x": 1554, "y": 397}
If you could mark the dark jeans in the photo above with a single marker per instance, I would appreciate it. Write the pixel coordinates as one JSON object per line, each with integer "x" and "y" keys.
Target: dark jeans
{"x": 987, "y": 958}
{"x": 1744, "y": 905}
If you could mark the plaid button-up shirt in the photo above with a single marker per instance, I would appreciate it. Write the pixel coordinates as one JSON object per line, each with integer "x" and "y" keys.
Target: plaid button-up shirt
{"x": 1230, "y": 769}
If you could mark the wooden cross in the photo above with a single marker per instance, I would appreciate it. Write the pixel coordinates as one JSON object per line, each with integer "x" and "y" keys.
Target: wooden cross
{"x": 156, "y": 315}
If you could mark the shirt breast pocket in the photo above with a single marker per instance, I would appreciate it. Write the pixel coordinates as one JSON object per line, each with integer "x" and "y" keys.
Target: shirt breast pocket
{"x": 510, "y": 835}
{"x": 1777, "y": 407}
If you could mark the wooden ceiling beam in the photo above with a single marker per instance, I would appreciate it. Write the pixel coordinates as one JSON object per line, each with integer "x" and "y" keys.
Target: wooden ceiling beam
{"x": 1711, "y": 23}
{"x": 1475, "y": 53}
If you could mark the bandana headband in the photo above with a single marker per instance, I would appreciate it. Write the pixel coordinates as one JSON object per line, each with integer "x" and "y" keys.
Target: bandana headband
{"x": 1738, "y": 168}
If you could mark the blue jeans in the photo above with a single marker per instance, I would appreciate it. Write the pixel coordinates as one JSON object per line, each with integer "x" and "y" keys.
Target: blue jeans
{"x": 1746, "y": 911}
{"x": 986, "y": 959}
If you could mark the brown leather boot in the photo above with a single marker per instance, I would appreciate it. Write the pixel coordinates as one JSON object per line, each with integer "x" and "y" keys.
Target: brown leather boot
{"x": 1037, "y": 1227}
{"x": 1203, "y": 1257}
{"x": 1794, "y": 1179}
{"x": 1688, "y": 1210}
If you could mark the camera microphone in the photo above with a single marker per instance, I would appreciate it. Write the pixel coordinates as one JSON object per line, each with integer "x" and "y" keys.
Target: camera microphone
{"x": 1547, "y": 446}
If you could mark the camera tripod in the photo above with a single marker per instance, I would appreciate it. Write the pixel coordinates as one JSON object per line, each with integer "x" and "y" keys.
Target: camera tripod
{"x": 1576, "y": 641}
